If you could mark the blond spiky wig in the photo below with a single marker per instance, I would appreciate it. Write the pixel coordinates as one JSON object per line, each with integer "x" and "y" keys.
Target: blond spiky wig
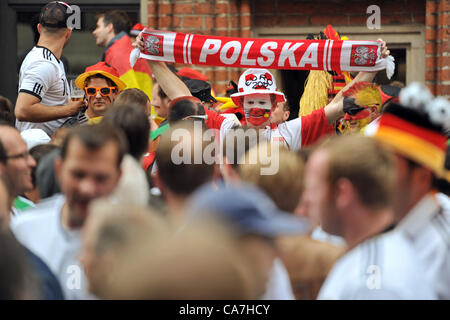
{"x": 315, "y": 95}
{"x": 365, "y": 94}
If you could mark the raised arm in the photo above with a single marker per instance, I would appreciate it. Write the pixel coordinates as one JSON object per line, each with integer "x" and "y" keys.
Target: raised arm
{"x": 172, "y": 86}
{"x": 334, "y": 110}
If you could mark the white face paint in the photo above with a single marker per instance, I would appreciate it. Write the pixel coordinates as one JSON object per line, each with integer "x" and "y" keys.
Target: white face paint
{"x": 258, "y": 100}
{"x": 257, "y": 108}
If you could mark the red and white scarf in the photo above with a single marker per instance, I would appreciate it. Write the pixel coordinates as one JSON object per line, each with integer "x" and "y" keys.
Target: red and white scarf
{"x": 331, "y": 55}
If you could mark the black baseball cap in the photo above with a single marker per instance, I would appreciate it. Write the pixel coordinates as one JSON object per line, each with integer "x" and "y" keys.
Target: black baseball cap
{"x": 55, "y": 15}
{"x": 200, "y": 89}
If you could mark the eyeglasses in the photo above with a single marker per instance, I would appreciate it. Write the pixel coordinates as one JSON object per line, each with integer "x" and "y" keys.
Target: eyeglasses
{"x": 104, "y": 91}
{"x": 24, "y": 155}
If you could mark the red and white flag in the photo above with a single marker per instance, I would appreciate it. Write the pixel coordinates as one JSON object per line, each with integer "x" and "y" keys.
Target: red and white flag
{"x": 331, "y": 55}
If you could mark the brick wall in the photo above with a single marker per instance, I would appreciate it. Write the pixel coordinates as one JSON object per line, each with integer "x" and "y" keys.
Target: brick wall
{"x": 238, "y": 17}
{"x": 437, "y": 50}
{"x": 291, "y": 13}
{"x": 215, "y": 17}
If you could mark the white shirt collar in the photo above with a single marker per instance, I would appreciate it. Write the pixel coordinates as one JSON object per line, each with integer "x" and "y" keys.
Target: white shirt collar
{"x": 418, "y": 216}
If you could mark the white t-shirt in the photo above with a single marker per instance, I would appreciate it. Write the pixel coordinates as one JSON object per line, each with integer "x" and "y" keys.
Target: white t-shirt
{"x": 427, "y": 225}
{"x": 302, "y": 131}
{"x": 133, "y": 186}
{"x": 41, "y": 231}
{"x": 289, "y": 133}
{"x": 43, "y": 76}
{"x": 382, "y": 267}
{"x": 279, "y": 285}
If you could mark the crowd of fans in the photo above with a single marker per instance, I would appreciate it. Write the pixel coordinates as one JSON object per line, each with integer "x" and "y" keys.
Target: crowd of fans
{"x": 154, "y": 187}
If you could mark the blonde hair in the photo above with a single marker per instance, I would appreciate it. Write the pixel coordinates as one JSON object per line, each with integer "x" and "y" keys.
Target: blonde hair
{"x": 201, "y": 261}
{"x": 286, "y": 185}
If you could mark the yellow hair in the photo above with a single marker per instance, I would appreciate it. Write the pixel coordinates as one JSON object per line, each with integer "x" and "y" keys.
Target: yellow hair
{"x": 365, "y": 94}
{"x": 227, "y": 103}
{"x": 315, "y": 95}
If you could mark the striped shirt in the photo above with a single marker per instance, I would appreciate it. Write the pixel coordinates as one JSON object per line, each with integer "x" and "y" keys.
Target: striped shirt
{"x": 42, "y": 75}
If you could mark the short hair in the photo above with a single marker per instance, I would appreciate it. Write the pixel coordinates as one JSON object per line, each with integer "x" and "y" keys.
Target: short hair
{"x": 183, "y": 178}
{"x": 117, "y": 228}
{"x": 118, "y": 18}
{"x": 181, "y": 109}
{"x": 133, "y": 96}
{"x": 366, "y": 164}
{"x": 100, "y": 76}
{"x": 134, "y": 123}
{"x": 172, "y": 269}
{"x": 6, "y": 110}
{"x": 285, "y": 186}
{"x": 94, "y": 137}
{"x": 117, "y": 225}
{"x": 38, "y": 152}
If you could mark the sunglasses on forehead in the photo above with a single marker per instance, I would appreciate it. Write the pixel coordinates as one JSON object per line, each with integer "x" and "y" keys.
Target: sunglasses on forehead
{"x": 104, "y": 91}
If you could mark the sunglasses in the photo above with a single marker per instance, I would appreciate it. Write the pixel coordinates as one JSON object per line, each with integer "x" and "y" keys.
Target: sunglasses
{"x": 350, "y": 107}
{"x": 104, "y": 91}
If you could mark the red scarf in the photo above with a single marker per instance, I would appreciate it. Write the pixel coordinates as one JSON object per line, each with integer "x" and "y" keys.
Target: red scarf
{"x": 335, "y": 55}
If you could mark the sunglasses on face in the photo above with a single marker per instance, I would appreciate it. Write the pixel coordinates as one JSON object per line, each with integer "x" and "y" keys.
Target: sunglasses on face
{"x": 104, "y": 91}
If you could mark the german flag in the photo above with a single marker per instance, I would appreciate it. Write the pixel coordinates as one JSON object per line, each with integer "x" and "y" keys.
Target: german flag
{"x": 117, "y": 54}
{"x": 411, "y": 134}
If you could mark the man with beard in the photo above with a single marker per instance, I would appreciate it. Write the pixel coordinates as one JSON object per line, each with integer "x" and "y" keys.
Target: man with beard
{"x": 44, "y": 95}
{"x": 89, "y": 168}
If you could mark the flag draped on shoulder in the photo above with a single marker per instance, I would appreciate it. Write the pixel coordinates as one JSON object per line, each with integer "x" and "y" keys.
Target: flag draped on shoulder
{"x": 117, "y": 55}
{"x": 331, "y": 55}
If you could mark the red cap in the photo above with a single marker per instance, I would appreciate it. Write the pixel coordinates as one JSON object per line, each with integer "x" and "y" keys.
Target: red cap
{"x": 104, "y": 69}
{"x": 192, "y": 74}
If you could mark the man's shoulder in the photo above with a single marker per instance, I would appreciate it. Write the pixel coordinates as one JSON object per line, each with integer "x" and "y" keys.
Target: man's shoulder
{"x": 44, "y": 212}
{"x": 40, "y": 56}
{"x": 382, "y": 267}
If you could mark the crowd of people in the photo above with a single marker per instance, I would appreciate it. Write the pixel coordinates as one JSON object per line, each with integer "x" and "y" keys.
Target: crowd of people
{"x": 154, "y": 187}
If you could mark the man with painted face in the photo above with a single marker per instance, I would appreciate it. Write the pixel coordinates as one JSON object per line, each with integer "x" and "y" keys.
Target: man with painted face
{"x": 363, "y": 103}
{"x": 101, "y": 85}
{"x": 258, "y": 95}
